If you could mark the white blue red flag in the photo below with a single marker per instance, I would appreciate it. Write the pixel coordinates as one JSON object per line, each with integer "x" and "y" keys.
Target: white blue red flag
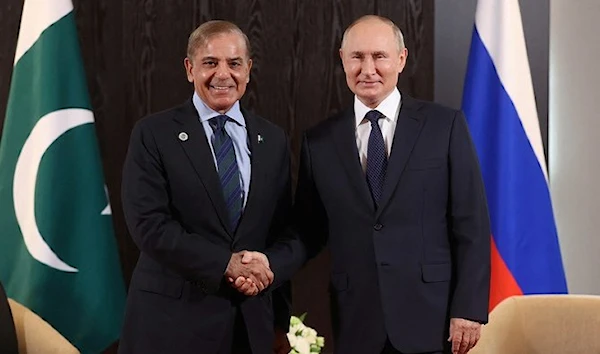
{"x": 499, "y": 105}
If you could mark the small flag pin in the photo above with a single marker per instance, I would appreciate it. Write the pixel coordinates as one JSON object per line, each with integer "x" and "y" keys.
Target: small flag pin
{"x": 183, "y": 136}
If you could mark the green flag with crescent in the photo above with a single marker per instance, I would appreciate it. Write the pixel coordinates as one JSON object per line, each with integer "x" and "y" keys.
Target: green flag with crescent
{"x": 58, "y": 253}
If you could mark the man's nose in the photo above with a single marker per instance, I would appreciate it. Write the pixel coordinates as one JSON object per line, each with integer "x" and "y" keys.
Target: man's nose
{"x": 222, "y": 70}
{"x": 368, "y": 66}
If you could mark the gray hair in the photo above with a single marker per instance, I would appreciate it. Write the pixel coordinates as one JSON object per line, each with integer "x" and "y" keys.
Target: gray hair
{"x": 397, "y": 32}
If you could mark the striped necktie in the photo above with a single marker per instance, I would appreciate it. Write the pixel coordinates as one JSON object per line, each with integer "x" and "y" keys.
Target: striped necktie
{"x": 227, "y": 166}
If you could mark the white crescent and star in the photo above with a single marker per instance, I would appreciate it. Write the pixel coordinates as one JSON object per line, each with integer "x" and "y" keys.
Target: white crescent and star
{"x": 47, "y": 130}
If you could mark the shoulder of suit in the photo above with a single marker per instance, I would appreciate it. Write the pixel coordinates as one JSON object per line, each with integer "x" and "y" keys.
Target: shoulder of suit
{"x": 157, "y": 119}
{"x": 331, "y": 123}
{"x": 430, "y": 108}
{"x": 263, "y": 125}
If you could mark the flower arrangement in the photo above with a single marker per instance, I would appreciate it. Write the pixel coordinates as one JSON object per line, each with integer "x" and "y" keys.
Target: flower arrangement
{"x": 303, "y": 339}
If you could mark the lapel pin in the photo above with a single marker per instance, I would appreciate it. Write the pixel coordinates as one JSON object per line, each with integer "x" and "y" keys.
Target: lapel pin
{"x": 183, "y": 136}
{"x": 260, "y": 139}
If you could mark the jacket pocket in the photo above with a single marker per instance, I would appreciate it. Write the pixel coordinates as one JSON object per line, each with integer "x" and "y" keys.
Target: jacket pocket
{"x": 436, "y": 272}
{"x": 158, "y": 284}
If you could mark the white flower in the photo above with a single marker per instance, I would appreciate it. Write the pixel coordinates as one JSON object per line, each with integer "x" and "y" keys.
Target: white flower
{"x": 303, "y": 339}
{"x": 302, "y": 347}
{"x": 310, "y": 335}
{"x": 320, "y": 342}
{"x": 292, "y": 339}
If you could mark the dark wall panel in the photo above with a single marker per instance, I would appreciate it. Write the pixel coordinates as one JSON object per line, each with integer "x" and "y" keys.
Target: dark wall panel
{"x": 133, "y": 52}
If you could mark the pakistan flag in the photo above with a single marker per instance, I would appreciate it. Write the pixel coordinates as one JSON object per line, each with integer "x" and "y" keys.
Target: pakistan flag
{"x": 58, "y": 254}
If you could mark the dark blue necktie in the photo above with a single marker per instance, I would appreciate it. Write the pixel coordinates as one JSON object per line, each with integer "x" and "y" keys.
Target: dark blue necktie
{"x": 376, "y": 157}
{"x": 229, "y": 173}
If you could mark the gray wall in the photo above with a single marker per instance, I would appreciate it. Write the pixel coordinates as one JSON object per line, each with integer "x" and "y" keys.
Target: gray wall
{"x": 453, "y": 28}
{"x": 574, "y": 138}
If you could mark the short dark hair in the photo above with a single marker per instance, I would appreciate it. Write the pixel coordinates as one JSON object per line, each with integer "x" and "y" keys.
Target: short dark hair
{"x": 209, "y": 29}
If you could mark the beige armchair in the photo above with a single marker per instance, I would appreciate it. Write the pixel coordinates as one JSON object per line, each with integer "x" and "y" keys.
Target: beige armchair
{"x": 543, "y": 324}
{"x": 36, "y": 336}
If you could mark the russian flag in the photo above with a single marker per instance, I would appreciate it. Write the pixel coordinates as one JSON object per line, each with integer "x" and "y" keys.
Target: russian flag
{"x": 499, "y": 105}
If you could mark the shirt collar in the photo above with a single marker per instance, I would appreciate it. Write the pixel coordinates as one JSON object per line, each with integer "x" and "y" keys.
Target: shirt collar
{"x": 206, "y": 113}
{"x": 389, "y": 107}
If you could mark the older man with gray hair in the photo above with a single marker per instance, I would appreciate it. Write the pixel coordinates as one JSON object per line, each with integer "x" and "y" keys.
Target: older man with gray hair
{"x": 202, "y": 183}
{"x": 392, "y": 185}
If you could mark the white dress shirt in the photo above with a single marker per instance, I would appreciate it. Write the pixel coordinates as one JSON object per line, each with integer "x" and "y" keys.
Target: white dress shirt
{"x": 236, "y": 128}
{"x": 390, "y": 108}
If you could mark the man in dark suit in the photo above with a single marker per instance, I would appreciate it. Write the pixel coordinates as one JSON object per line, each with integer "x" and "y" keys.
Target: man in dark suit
{"x": 393, "y": 186}
{"x": 203, "y": 182}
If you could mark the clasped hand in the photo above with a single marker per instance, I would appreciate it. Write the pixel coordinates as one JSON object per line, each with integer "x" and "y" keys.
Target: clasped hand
{"x": 249, "y": 272}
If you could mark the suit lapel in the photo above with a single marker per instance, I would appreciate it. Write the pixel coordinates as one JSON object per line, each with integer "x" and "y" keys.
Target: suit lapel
{"x": 257, "y": 151}
{"x": 198, "y": 152}
{"x": 407, "y": 132}
{"x": 344, "y": 133}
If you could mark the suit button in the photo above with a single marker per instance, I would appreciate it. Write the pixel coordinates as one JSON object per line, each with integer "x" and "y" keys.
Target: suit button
{"x": 378, "y": 227}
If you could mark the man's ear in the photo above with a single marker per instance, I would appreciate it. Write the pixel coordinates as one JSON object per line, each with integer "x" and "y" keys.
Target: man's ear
{"x": 249, "y": 70}
{"x": 187, "y": 63}
{"x": 402, "y": 60}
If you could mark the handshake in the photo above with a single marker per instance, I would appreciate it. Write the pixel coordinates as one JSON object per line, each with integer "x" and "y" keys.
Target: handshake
{"x": 249, "y": 272}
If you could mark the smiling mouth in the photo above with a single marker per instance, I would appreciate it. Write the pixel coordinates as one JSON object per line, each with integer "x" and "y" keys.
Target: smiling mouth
{"x": 220, "y": 88}
{"x": 369, "y": 83}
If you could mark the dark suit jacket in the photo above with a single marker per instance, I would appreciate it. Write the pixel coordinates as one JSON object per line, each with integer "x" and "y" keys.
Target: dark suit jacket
{"x": 404, "y": 269}
{"x": 178, "y": 301}
{"x": 8, "y": 335}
